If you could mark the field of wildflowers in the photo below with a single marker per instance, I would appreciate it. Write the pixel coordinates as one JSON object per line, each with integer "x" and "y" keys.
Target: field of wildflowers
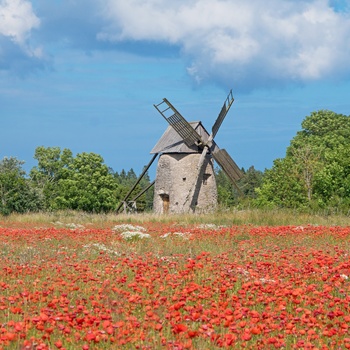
{"x": 170, "y": 286}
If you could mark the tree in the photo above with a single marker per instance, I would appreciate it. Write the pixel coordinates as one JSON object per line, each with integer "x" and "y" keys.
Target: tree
{"x": 88, "y": 185}
{"x": 227, "y": 193}
{"x": 16, "y": 192}
{"x": 281, "y": 186}
{"x": 148, "y": 196}
{"x": 307, "y": 163}
{"x": 53, "y": 165}
{"x": 83, "y": 182}
{"x": 128, "y": 179}
{"x": 316, "y": 169}
{"x": 250, "y": 181}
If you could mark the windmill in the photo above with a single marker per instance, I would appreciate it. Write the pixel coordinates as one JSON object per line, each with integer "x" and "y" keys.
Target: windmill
{"x": 185, "y": 179}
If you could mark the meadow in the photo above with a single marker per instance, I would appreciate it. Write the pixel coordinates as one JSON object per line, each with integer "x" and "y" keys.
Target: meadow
{"x": 244, "y": 280}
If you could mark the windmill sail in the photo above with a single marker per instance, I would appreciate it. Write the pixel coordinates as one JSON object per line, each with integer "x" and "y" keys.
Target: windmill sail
{"x": 179, "y": 123}
{"x": 228, "y": 165}
{"x": 225, "y": 108}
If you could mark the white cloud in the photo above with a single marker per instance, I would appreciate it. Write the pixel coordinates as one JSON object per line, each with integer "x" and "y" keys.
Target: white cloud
{"x": 238, "y": 43}
{"x": 235, "y": 41}
{"x": 17, "y": 19}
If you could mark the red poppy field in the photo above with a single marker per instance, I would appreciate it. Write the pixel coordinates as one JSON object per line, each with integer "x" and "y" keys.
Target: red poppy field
{"x": 165, "y": 286}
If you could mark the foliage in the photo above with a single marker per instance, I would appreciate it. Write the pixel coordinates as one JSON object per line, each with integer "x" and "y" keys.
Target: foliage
{"x": 16, "y": 192}
{"x": 53, "y": 165}
{"x": 62, "y": 181}
{"x": 127, "y": 180}
{"x": 87, "y": 185}
{"x": 149, "y": 194}
{"x": 281, "y": 186}
{"x": 228, "y": 195}
{"x": 316, "y": 170}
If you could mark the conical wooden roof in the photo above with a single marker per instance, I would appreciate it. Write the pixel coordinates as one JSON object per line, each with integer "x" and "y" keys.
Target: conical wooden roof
{"x": 171, "y": 141}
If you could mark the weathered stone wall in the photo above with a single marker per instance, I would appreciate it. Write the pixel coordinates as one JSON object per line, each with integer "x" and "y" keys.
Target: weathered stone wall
{"x": 176, "y": 178}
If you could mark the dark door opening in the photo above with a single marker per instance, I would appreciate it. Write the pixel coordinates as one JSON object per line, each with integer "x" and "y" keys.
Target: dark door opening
{"x": 166, "y": 202}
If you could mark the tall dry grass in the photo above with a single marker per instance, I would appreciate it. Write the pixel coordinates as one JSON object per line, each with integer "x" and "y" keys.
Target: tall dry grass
{"x": 228, "y": 217}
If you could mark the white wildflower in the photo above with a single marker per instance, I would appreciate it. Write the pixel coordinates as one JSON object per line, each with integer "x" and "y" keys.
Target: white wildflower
{"x": 184, "y": 235}
{"x": 243, "y": 271}
{"x": 102, "y": 247}
{"x": 210, "y": 227}
{"x": 265, "y": 280}
{"x": 128, "y": 227}
{"x": 72, "y": 225}
{"x": 134, "y": 234}
{"x": 165, "y": 235}
{"x": 58, "y": 223}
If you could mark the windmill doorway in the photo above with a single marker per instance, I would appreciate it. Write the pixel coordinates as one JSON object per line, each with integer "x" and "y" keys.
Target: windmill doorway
{"x": 166, "y": 202}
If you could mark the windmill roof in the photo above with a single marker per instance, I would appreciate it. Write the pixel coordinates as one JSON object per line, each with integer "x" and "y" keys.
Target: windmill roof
{"x": 171, "y": 141}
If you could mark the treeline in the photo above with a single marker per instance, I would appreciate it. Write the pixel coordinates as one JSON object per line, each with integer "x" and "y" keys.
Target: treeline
{"x": 314, "y": 174}
{"x": 61, "y": 181}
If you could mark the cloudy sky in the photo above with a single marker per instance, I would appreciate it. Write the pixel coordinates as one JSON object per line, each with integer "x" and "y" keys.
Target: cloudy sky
{"x": 84, "y": 74}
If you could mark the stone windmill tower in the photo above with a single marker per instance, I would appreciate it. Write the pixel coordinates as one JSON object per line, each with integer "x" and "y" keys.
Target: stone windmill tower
{"x": 185, "y": 179}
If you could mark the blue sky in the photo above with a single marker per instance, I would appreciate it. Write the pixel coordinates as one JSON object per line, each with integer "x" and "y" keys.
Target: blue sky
{"x": 84, "y": 74}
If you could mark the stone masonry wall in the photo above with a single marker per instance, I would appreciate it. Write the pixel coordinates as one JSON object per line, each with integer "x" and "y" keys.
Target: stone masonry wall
{"x": 176, "y": 175}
